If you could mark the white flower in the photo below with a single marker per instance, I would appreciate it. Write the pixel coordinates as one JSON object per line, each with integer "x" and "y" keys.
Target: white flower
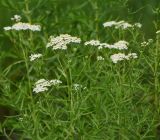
{"x": 143, "y": 44}
{"x": 42, "y": 85}
{"x": 109, "y": 24}
{"x": 38, "y": 89}
{"x": 16, "y": 18}
{"x": 120, "y": 56}
{"x": 100, "y": 58}
{"x": 146, "y": 43}
{"x": 92, "y": 43}
{"x": 158, "y": 32}
{"x": 132, "y": 55}
{"x": 35, "y": 56}
{"x": 7, "y": 28}
{"x": 60, "y": 42}
{"x": 150, "y": 40}
{"x": 138, "y": 25}
{"x": 78, "y": 87}
{"x": 117, "y": 57}
{"x": 55, "y": 82}
{"x": 23, "y": 26}
{"x": 120, "y": 45}
{"x": 121, "y": 25}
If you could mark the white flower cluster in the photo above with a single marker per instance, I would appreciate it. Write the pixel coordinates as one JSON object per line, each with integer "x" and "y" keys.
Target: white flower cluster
{"x": 121, "y": 56}
{"x": 120, "y": 45}
{"x": 23, "y": 26}
{"x": 35, "y": 56}
{"x": 16, "y": 18}
{"x": 158, "y": 32}
{"x": 121, "y": 25}
{"x": 138, "y": 25}
{"x": 92, "y": 43}
{"x": 42, "y": 85}
{"x": 78, "y": 87}
{"x": 60, "y": 42}
{"x": 100, "y": 58}
{"x": 146, "y": 43}
{"x": 109, "y": 23}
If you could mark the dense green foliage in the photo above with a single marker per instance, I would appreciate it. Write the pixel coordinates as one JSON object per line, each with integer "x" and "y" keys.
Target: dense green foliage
{"x": 120, "y": 102}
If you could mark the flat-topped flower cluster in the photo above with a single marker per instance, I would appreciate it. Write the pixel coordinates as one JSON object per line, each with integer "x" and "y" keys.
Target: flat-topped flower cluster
{"x": 146, "y": 43}
{"x": 61, "y": 42}
{"x": 78, "y": 87}
{"x": 121, "y": 56}
{"x": 121, "y": 25}
{"x": 42, "y": 85}
{"x": 22, "y": 26}
{"x": 16, "y": 18}
{"x": 35, "y": 56}
{"x": 120, "y": 45}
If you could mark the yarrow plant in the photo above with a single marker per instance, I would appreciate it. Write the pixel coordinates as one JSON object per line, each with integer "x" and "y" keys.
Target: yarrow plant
{"x": 146, "y": 43}
{"x": 92, "y": 43}
{"x": 78, "y": 87}
{"x": 61, "y": 42}
{"x": 35, "y": 56}
{"x": 106, "y": 85}
{"x": 16, "y": 18}
{"x": 22, "y": 26}
{"x": 121, "y": 25}
{"x": 158, "y": 32}
{"x": 42, "y": 85}
{"x": 100, "y": 58}
{"x": 121, "y": 56}
{"x": 120, "y": 45}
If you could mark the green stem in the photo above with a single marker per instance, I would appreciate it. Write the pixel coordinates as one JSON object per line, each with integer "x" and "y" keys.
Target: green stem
{"x": 70, "y": 84}
{"x": 27, "y": 10}
{"x": 25, "y": 57}
{"x": 27, "y": 13}
{"x": 156, "y": 80}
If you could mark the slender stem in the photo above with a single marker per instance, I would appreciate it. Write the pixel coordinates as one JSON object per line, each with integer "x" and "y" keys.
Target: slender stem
{"x": 25, "y": 57}
{"x": 28, "y": 16}
{"x": 156, "y": 81}
{"x": 69, "y": 79}
{"x": 70, "y": 91}
{"x": 27, "y": 10}
{"x": 68, "y": 82}
{"x": 96, "y": 20}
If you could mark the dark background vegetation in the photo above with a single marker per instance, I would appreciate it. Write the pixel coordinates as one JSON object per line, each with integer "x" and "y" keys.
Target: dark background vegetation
{"x": 58, "y": 13}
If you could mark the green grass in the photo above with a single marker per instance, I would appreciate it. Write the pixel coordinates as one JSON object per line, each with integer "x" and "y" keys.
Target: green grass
{"x": 120, "y": 102}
